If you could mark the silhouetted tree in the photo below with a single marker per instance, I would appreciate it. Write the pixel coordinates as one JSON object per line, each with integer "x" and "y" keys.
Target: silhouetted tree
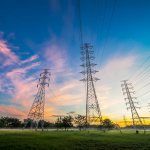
{"x": 46, "y": 124}
{"x": 58, "y": 123}
{"x": 67, "y": 122}
{"x": 9, "y": 122}
{"x": 28, "y": 123}
{"x": 80, "y": 121}
{"x": 107, "y": 123}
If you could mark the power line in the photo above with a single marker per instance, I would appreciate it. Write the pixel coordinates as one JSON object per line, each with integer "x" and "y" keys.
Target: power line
{"x": 143, "y": 74}
{"x": 144, "y": 94}
{"x": 143, "y": 87}
{"x": 102, "y": 25}
{"x": 107, "y": 33}
{"x": 81, "y": 31}
{"x": 80, "y": 22}
{"x": 138, "y": 72}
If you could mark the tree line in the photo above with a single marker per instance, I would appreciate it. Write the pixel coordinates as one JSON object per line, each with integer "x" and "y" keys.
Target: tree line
{"x": 61, "y": 123}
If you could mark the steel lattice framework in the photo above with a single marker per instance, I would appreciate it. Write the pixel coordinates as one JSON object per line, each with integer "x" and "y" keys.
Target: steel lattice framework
{"x": 93, "y": 113}
{"x": 36, "y": 112}
{"x": 131, "y": 102}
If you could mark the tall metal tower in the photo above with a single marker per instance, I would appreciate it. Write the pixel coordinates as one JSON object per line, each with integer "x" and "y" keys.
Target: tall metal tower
{"x": 131, "y": 102}
{"x": 36, "y": 112}
{"x": 93, "y": 113}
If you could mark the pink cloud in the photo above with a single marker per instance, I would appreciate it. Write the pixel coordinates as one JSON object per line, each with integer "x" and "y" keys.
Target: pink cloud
{"x": 30, "y": 59}
{"x": 67, "y": 94}
{"x": 56, "y": 56}
{"x": 24, "y": 88}
{"x": 12, "y": 111}
{"x": 10, "y": 56}
{"x": 19, "y": 71}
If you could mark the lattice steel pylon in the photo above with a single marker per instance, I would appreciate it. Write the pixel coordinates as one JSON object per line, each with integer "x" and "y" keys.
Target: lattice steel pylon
{"x": 93, "y": 112}
{"x": 131, "y": 102}
{"x": 36, "y": 112}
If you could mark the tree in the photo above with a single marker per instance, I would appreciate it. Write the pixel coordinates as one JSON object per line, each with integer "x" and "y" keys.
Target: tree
{"x": 107, "y": 123}
{"x": 59, "y": 123}
{"x": 80, "y": 121}
{"x": 8, "y": 122}
{"x": 67, "y": 122}
{"x": 28, "y": 123}
{"x": 46, "y": 124}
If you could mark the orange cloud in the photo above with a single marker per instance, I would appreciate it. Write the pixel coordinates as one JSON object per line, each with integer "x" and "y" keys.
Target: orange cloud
{"x": 12, "y": 111}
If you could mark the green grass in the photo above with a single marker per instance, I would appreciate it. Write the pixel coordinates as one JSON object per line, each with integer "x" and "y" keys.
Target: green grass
{"x": 73, "y": 140}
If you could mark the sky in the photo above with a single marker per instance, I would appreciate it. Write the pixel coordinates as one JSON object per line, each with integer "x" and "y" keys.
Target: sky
{"x": 47, "y": 34}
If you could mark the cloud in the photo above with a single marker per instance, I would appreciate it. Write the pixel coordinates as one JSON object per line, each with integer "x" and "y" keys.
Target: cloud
{"x": 8, "y": 57}
{"x": 64, "y": 90}
{"x": 24, "y": 87}
{"x": 67, "y": 94}
{"x": 109, "y": 87}
{"x": 56, "y": 56}
{"x": 30, "y": 59}
{"x": 12, "y": 111}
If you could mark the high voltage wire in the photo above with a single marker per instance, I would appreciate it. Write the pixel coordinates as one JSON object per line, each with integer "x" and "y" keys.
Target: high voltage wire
{"x": 144, "y": 94}
{"x": 141, "y": 79}
{"x": 100, "y": 30}
{"x": 105, "y": 22}
{"x": 81, "y": 31}
{"x": 54, "y": 88}
{"x": 143, "y": 87}
{"x": 80, "y": 22}
{"x": 102, "y": 24}
{"x": 107, "y": 32}
{"x": 142, "y": 74}
{"x": 138, "y": 72}
{"x": 53, "y": 81}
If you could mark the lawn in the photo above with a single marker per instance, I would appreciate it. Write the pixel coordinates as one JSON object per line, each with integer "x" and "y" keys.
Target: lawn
{"x": 73, "y": 140}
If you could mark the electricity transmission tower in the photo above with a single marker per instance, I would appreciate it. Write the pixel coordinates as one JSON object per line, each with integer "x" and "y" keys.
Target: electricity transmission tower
{"x": 36, "y": 113}
{"x": 131, "y": 102}
{"x": 93, "y": 113}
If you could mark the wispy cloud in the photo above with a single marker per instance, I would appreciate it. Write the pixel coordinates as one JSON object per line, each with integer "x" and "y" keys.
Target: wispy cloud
{"x": 8, "y": 57}
{"x": 30, "y": 59}
{"x": 56, "y": 56}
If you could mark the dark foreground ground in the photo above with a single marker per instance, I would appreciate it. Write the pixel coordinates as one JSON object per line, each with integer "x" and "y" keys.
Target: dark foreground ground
{"x": 73, "y": 140}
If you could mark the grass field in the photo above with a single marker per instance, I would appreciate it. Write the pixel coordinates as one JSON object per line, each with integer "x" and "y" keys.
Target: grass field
{"x": 73, "y": 140}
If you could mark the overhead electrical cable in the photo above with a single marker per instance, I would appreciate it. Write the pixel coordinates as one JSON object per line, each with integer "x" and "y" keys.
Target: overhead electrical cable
{"x": 80, "y": 22}
{"x": 108, "y": 31}
{"x": 139, "y": 71}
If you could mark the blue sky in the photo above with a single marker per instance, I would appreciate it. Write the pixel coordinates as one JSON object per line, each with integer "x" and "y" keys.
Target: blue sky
{"x": 39, "y": 34}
